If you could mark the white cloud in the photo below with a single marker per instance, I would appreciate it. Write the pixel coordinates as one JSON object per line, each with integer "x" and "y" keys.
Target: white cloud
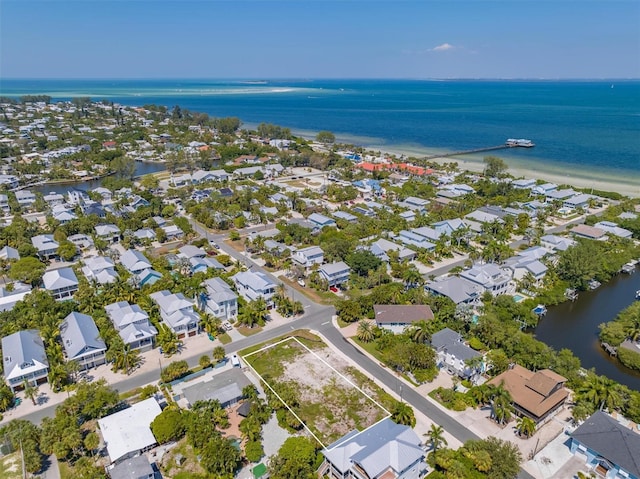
{"x": 443, "y": 48}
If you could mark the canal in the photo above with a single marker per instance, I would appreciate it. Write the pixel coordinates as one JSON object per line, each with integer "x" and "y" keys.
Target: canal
{"x": 141, "y": 169}
{"x": 574, "y": 325}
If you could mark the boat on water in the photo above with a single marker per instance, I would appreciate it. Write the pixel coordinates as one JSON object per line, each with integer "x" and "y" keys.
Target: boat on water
{"x": 520, "y": 142}
{"x": 638, "y": 294}
{"x": 594, "y": 284}
{"x": 540, "y": 310}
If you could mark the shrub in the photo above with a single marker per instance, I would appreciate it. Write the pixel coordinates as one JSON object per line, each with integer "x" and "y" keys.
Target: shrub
{"x": 174, "y": 370}
{"x": 253, "y": 451}
{"x": 168, "y": 426}
{"x": 476, "y": 344}
{"x": 629, "y": 358}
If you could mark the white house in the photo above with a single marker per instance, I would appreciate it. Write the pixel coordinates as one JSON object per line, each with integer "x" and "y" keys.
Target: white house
{"x": 335, "y": 273}
{"x": 134, "y": 261}
{"x": 46, "y": 246}
{"x": 132, "y": 323}
{"x": 307, "y": 257}
{"x": 24, "y": 359}
{"x": 253, "y": 285}
{"x": 177, "y": 313}
{"x": 61, "y": 283}
{"x": 109, "y": 232}
{"x": 81, "y": 341}
{"x": 220, "y": 300}
{"x": 453, "y": 354}
{"x": 614, "y": 229}
{"x": 490, "y": 277}
{"x": 100, "y": 269}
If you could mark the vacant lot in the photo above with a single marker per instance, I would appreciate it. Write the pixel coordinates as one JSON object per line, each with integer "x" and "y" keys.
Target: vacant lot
{"x": 333, "y": 398}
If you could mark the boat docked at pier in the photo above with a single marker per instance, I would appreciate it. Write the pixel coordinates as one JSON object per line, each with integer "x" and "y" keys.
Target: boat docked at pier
{"x": 519, "y": 142}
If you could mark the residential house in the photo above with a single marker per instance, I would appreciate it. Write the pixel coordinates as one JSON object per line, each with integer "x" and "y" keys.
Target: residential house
{"x": 8, "y": 299}
{"x": 225, "y": 387}
{"x": 4, "y": 203}
{"x": 534, "y": 394}
{"x": 490, "y": 277}
{"x": 589, "y": 232}
{"x": 81, "y": 341}
{"x": 523, "y": 184}
{"x": 556, "y": 243}
{"x": 543, "y": 189}
{"x": 279, "y": 198}
{"x": 253, "y": 285}
{"x": 62, "y": 214}
{"x": 521, "y": 265}
{"x": 335, "y": 274}
{"x": 25, "y": 198}
{"x": 382, "y": 247}
{"x": 61, "y": 283}
{"x": 448, "y": 227}
{"x": 177, "y": 313}
{"x": 127, "y": 433}
{"x": 172, "y": 232}
{"x": 458, "y": 290}
{"x": 109, "y": 232}
{"x": 132, "y": 323}
{"x": 307, "y": 257}
{"x": 429, "y": 234}
{"x": 100, "y": 269}
{"x": 343, "y": 215}
{"x": 408, "y": 215}
{"x": 81, "y": 241}
{"x": 189, "y": 251}
{"x": 53, "y": 199}
{"x": 136, "y": 467}
{"x": 613, "y": 228}
{"x": 46, "y": 246}
{"x": 24, "y": 359}
{"x": 396, "y": 318}
{"x": 8, "y": 253}
{"x": 578, "y": 202}
{"x": 411, "y": 238}
{"x": 220, "y": 300}
{"x": 144, "y": 234}
{"x": 146, "y": 276}
{"x": 482, "y": 216}
{"x": 204, "y": 264}
{"x": 610, "y": 448}
{"x": 385, "y": 450}
{"x": 454, "y": 355}
{"x": 134, "y": 261}
{"x": 321, "y": 220}
{"x": 415, "y": 204}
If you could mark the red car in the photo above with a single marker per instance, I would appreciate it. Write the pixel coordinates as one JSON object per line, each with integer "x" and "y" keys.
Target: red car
{"x": 334, "y": 289}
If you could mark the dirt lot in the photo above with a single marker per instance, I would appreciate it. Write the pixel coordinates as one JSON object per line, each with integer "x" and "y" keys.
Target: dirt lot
{"x": 330, "y": 403}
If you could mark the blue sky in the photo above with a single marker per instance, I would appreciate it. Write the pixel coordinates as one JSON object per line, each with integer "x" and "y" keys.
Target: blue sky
{"x": 320, "y": 39}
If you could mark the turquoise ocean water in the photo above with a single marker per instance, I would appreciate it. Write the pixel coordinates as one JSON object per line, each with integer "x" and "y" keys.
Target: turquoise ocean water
{"x": 577, "y": 126}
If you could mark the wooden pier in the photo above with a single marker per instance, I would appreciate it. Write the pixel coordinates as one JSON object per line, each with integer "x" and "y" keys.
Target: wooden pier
{"x": 470, "y": 152}
{"x": 609, "y": 349}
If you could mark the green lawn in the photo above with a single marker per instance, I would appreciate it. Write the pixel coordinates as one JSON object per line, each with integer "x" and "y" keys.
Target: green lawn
{"x": 371, "y": 349}
{"x": 224, "y": 338}
{"x": 248, "y": 331}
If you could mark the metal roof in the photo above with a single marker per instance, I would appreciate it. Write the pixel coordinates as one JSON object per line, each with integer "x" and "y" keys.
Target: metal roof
{"x": 80, "y": 336}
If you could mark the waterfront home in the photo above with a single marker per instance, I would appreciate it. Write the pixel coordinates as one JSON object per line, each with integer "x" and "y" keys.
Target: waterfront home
{"x": 61, "y": 283}
{"x": 10, "y": 181}
{"x": 109, "y": 232}
{"x": 104, "y": 193}
{"x": 453, "y": 354}
{"x": 219, "y": 299}
{"x": 523, "y": 184}
{"x": 556, "y": 243}
{"x": 100, "y": 269}
{"x": 53, "y": 199}
{"x": 81, "y": 341}
{"x": 490, "y": 277}
{"x": 609, "y": 448}
{"x": 321, "y": 220}
{"x": 24, "y": 359}
{"x": 534, "y": 394}
{"x": 8, "y": 253}
{"x": 177, "y": 313}
{"x": 521, "y": 265}
{"x": 396, "y": 318}
{"x": 134, "y": 261}
{"x": 458, "y": 290}
{"x": 335, "y": 274}
{"x": 578, "y": 202}
{"x": 202, "y": 176}
{"x": 252, "y": 285}
{"x": 385, "y": 450}
{"x": 127, "y": 433}
{"x": 614, "y": 229}
{"x": 46, "y": 246}
{"x": 307, "y": 257}
{"x": 589, "y": 232}
{"x": 62, "y": 214}
{"x": 25, "y": 198}
{"x": 132, "y": 324}
{"x": 411, "y": 238}
{"x": 543, "y": 189}
{"x": 560, "y": 195}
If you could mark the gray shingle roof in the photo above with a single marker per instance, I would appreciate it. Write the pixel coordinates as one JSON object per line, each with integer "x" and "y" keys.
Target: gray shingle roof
{"x": 80, "y": 336}
{"x": 449, "y": 340}
{"x": 613, "y": 441}
{"x": 225, "y": 387}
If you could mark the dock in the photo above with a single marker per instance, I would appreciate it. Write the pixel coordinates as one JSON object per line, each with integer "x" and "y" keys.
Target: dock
{"x": 504, "y": 146}
{"x": 609, "y": 349}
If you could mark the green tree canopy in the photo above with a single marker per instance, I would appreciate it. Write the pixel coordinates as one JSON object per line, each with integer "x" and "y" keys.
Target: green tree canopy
{"x": 28, "y": 270}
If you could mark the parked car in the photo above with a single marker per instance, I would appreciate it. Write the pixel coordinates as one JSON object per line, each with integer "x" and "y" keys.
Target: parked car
{"x": 334, "y": 289}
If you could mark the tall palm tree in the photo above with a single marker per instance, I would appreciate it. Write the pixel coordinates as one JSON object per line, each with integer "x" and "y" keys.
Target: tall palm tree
{"x": 525, "y": 426}
{"x": 633, "y": 329}
{"x": 210, "y": 324}
{"x": 420, "y": 331}
{"x": 6, "y": 397}
{"x": 365, "y": 331}
{"x": 436, "y": 437}
{"x": 412, "y": 277}
{"x": 403, "y": 414}
{"x": 601, "y": 392}
{"x": 501, "y": 407}
{"x": 30, "y": 391}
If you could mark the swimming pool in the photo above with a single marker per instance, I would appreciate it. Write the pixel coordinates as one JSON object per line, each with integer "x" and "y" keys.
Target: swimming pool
{"x": 518, "y": 297}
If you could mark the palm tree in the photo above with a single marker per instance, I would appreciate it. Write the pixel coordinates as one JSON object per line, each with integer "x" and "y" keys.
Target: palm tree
{"x": 210, "y": 324}
{"x": 365, "y": 331}
{"x": 633, "y": 329}
{"x": 218, "y": 353}
{"x": 403, "y": 414}
{"x": 525, "y": 426}
{"x": 412, "y": 277}
{"x": 30, "y": 391}
{"x": 421, "y": 331}
{"x": 501, "y": 407}
{"x": 601, "y": 392}
{"x": 6, "y": 397}
{"x": 436, "y": 437}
